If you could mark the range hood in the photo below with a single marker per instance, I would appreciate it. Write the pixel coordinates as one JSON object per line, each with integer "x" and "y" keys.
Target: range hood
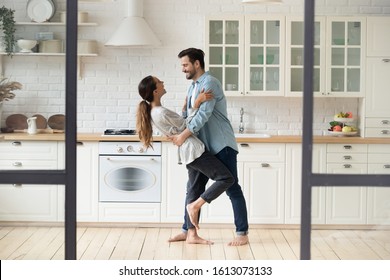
{"x": 133, "y": 30}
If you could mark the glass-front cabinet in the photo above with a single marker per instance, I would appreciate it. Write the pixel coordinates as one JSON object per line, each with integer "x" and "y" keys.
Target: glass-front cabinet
{"x": 264, "y": 56}
{"x": 224, "y": 52}
{"x": 247, "y": 54}
{"x": 339, "y": 51}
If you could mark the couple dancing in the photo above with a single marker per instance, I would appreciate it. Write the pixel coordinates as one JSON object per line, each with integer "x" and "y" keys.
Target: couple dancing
{"x": 205, "y": 140}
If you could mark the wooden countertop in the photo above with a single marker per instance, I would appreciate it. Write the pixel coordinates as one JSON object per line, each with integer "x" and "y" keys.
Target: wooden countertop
{"x": 273, "y": 139}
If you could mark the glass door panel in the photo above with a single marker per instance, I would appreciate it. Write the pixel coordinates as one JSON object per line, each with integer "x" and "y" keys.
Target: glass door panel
{"x": 272, "y": 77}
{"x": 257, "y": 55}
{"x": 338, "y": 33}
{"x": 216, "y": 32}
{"x": 217, "y": 73}
{"x": 273, "y": 32}
{"x": 257, "y": 32}
{"x": 256, "y": 78}
{"x": 354, "y": 33}
{"x": 231, "y": 78}
{"x": 231, "y": 56}
{"x": 216, "y": 54}
{"x": 231, "y": 32}
{"x": 353, "y": 57}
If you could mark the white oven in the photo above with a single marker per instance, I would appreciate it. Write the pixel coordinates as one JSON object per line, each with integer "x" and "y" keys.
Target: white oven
{"x": 129, "y": 173}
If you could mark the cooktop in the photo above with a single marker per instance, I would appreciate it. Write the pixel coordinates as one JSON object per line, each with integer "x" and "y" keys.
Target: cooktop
{"x": 120, "y": 132}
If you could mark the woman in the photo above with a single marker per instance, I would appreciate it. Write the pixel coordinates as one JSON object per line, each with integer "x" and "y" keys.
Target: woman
{"x": 191, "y": 152}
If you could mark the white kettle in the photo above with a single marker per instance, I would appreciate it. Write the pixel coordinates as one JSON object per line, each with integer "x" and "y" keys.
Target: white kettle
{"x": 32, "y": 125}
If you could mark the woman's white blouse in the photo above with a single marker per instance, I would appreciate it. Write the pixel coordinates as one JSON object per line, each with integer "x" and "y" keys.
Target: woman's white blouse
{"x": 170, "y": 123}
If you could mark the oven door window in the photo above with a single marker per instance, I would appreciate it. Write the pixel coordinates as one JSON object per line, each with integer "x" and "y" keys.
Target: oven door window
{"x": 130, "y": 179}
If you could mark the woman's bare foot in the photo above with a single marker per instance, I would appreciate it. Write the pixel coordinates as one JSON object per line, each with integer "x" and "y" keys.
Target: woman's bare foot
{"x": 194, "y": 238}
{"x": 193, "y": 213}
{"x": 239, "y": 240}
{"x": 178, "y": 237}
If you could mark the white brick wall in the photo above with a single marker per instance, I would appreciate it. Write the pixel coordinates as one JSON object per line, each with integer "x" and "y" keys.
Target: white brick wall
{"x": 107, "y": 94}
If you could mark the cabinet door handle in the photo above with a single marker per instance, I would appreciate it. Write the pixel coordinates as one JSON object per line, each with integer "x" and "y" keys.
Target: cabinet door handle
{"x": 385, "y": 131}
{"x": 386, "y": 60}
{"x": 17, "y": 185}
{"x": 348, "y": 157}
{"x": 386, "y": 166}
{"x": 16, "y": 143}
{"x": 265, "y": 165}
{"x": 347, "y": 166}
{"x": 17, "y": 164}
{"x": 385, "y": 122}
{"x": 347, "y": 147}
{"x": 245, "y": 145}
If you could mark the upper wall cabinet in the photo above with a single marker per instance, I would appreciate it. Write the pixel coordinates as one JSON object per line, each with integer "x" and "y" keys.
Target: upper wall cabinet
{"x": 225, "y": 53}
{"x": 264, "y": 55}
{"x": 339, "y": 52}
{"x": 247, "y": 54}
{"x": 378, "y": 41}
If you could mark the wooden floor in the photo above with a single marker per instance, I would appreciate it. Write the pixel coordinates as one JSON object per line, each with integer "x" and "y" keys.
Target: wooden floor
{"x": 33, "y": 243}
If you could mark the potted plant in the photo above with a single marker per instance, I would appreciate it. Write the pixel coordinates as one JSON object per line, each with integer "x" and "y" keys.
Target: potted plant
{"x": 6, "y": 91}
{"x": 7, "y": 26}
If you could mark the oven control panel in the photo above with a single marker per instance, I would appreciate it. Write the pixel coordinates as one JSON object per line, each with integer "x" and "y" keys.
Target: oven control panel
{"x": 128, "y": 148}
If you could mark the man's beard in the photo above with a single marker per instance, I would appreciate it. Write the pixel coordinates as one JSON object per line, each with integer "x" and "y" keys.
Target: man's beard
{"x": 189, "y": 75}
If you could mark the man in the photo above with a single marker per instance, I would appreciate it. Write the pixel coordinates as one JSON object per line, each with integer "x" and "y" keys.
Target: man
{"x": 212, "y": 126}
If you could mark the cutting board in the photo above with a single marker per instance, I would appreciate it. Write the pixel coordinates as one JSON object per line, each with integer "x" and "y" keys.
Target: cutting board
{"x": 57, "y": 122}
{"x": 41, "y": 121}
{"x": 16, "y": 121}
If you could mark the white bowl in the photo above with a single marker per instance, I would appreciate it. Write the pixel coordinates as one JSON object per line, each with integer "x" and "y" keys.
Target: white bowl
{"x": 26, "y": 45}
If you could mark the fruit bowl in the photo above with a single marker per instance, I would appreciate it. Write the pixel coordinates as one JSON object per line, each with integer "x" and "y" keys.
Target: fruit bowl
{"x": 340, "y": 133}
{"x": 26, "y": 45}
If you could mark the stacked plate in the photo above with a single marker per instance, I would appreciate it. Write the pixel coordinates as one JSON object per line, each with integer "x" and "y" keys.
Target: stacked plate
{"x": 40, "y": 10}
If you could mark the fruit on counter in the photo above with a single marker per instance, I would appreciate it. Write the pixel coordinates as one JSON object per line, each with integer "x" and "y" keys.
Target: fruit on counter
{"x": 347, "y": 129}
{"x": 344, "y": 115}
{"x": 337, "y": 128}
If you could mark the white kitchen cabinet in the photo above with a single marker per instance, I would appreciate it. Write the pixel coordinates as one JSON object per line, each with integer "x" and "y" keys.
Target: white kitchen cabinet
{"x": 246, "y": 54}
{"x": 264, "y": 55}
{"x": 346, "y": 205}
{"x": 24, "y": 202}
{"x": 264, "y": 174}
{"x": 174, "y": 184}
{"x": 294, "y": 56}
{"x": 378, "y": 41}
{"x": 377, "y": 113}
{"x": 339, "y": 57}
{"x": 261, "y": 173}
{"x": 378, "y": 198}
{"x": 294, "y": 184}
{"x": 87, "y": 181}
{"x": 225, "y": 51}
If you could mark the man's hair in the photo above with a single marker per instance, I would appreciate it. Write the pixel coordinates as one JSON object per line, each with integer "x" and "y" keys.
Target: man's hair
{"x": 193, "y": 55}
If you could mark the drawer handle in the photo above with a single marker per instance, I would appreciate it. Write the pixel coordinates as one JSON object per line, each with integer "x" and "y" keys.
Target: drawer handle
{"x": 348, "y": 157}
{"x": 78, "y": 143}
{"x": 17, "y": 185}
{"x": 16, "y": 143}
{"x": 384, "y": 131}
{"x": 386, "y": 60}
{"x": 385, "y": 122}
{"x": 244, "y": 145}
{"x": 17, "y": 163}
{"x": 386, "y": 166}
{"x": 347, "y": 147}
{"x": 347, "y": 166}
{"x": 265, "y": 165}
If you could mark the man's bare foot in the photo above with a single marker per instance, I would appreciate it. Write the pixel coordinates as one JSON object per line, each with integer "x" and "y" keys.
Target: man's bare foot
{"x": 178, "y": 237}
{"x": 193, "y": 213}
{"x": 239, "y": 240}
{"x": 194, "y": 238}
